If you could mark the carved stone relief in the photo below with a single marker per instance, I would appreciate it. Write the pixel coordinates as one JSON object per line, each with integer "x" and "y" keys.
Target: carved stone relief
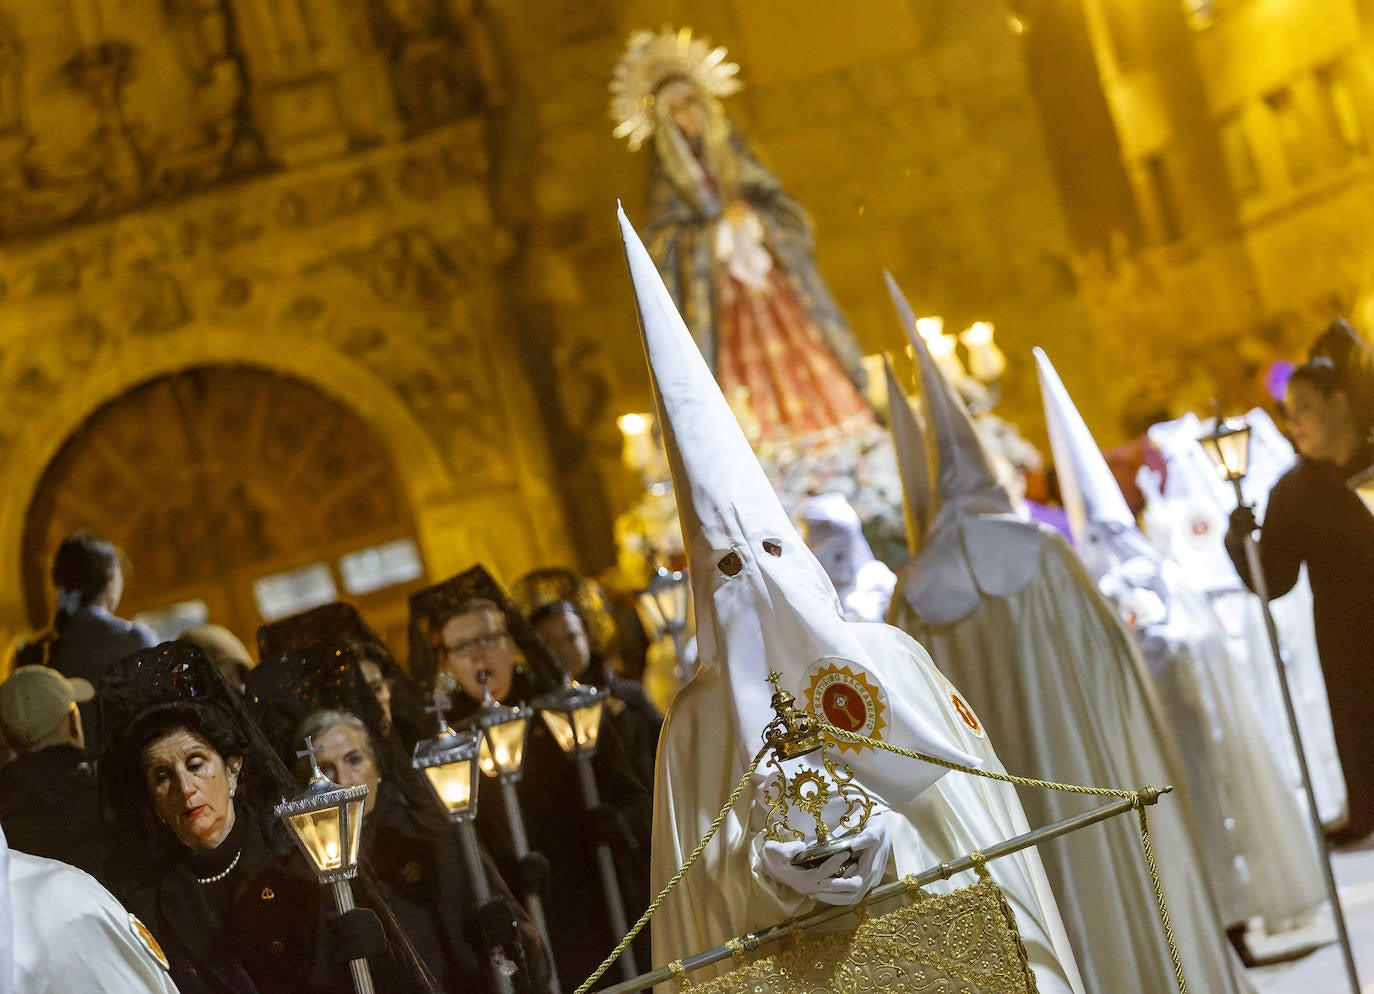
{"x": 413, "y": 299}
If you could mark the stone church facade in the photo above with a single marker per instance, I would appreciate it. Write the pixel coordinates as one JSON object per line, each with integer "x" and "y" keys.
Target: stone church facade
{"x": 288, "y": 281}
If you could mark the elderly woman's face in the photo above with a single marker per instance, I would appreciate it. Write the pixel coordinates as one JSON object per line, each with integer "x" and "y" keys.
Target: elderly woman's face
{"x": 345, "y": 756}
{"x": 190, "y": 787}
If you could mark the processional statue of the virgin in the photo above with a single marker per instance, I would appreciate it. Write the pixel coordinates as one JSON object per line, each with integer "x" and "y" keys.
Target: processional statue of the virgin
{"x": 735, "y": 251}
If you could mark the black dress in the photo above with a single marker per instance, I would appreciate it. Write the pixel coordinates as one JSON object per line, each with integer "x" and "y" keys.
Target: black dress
{"x": 416, "y": 860}
{"x": 249, "y": 917}
{"x": 253, "y": 931}
{"x": 560, "y": 828}
{"x": 1313, "y": 517}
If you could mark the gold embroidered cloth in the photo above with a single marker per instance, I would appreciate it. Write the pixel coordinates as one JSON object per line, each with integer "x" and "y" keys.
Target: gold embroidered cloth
{"x": 965, "y": 942}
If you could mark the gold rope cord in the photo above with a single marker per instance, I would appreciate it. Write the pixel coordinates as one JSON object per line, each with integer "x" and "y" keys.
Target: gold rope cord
{"x": 846, "y": 736}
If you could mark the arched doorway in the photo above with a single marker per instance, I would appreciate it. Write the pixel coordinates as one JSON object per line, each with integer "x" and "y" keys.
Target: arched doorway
{"x": 239, "y": 495}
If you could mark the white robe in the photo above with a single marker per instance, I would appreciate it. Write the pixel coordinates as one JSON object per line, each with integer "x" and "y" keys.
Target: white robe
{"x": 71, "y": 935}
{"x": 726, "y": 894}
{"x": 1187, "y": 522}
{"x": 1259, "y": 853}
{"x": 1048, "y": 665}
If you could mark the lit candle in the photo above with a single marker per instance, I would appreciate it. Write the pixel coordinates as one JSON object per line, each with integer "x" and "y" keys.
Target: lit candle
{"x": 930, "y": 328}
{"x": 985, "y": 360}
{"x": 942, "y": 351}
{"x": 638, "y": 449}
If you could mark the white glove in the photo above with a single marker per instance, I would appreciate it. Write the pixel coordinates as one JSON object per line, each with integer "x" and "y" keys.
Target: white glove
{"x": 842, "y": 879}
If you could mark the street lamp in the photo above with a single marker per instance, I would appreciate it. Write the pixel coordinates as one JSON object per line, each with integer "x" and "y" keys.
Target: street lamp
{"x": 665, "y": 600}
{"x": 326, "y": 821}
{"x": 1228, "y": 446}
{"x": 573, "y": 715}
{"x": 502, "y": 732}
{"x": 450, "y": 763}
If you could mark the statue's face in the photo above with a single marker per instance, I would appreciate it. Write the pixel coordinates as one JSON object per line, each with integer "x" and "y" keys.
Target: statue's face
{"x": 684, "y": 109}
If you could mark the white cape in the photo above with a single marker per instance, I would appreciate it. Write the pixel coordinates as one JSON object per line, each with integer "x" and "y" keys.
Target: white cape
{"x": 1052, "y": 670}
{"x": 726, "y": 894}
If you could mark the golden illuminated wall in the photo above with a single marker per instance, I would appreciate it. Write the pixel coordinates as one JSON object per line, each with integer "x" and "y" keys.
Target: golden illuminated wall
{"x": 1244, "y": 130}
{"x": 407, "y": 206}
{"x": 294, "y": 188}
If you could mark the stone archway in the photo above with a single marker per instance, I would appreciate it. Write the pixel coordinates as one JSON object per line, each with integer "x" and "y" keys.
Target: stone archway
{"x": 214, "y": 478}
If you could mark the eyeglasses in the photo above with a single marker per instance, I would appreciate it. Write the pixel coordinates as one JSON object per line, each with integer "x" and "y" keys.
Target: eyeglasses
{"x": 484, "y": 642}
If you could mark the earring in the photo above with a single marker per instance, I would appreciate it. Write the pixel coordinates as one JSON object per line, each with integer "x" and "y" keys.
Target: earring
{"x": 233, "y": 791}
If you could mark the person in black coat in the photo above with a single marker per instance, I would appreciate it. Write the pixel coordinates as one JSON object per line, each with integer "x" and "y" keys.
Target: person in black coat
{"x": 48, "y": 801}
{"x": 86, "y": 637}
{"x": 569, "y": 617}
{"x": 1314, "y": 517}
{"x": 469, "y": 640}
{"x": 199, "y": 855}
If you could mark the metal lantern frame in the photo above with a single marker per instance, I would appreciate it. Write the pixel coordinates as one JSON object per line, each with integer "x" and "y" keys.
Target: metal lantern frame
{"x": 321, "y": 797}
{"x": 499, "y": 726}
{"x": 449, "y": 749}
{"x": 494, "y": 721}
{"x": 573, "y": 715}
{"x": 445, "y": 750}
{"x": 667, "y": 600}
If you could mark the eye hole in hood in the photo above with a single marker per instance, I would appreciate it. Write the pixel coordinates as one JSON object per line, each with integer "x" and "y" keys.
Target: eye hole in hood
{"x": 730, "y": 564}
{"x": 772, "y": 546}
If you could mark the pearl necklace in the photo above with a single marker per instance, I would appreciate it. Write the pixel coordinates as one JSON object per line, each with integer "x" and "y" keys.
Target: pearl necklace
{"x": 222, "y": 873}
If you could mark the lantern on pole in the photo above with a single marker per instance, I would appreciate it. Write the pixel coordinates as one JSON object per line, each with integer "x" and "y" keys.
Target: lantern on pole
{"x": 450, "y": 762}
{"x": 502, "y": 732}
{"x": 326, "y": 821}
{"x": 665, "y": 601}
{"x": 573, "y": 716}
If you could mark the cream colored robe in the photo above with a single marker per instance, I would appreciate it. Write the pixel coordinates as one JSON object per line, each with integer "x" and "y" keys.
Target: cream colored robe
{"x": 1062, "y": 683}
{"x": 725, "y": 894}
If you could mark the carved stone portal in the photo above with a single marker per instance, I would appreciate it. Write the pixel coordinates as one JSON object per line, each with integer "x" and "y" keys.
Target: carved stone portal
{"x": 215, "y": 477}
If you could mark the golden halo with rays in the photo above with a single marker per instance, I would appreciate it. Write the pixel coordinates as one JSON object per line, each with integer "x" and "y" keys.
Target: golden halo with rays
{"x": 652, "y": 58}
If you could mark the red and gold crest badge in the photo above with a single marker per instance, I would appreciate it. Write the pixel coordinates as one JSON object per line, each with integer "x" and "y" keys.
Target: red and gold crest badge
{"x": 147, "y": 940}
{"x": 848, "y": 699}
{"x": 964, "y": 712}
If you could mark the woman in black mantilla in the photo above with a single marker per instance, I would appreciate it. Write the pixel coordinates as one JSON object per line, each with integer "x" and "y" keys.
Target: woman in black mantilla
{"x": 200, "y": 856}
{"x": 569, "y": 617}
{"x": 1314, "y": 517}
{"x": 468, "y": 639}
{"x": 409, "y": 845}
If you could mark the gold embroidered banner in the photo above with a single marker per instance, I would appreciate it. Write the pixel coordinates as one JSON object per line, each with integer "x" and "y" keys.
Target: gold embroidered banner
{"x": 964, "y": 942}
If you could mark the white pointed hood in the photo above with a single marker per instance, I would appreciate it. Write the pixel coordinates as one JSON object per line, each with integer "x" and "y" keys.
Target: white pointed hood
{"x": 920, "y": 502}
{"x": 964, "y": 474}
{"x": 762, "y": 600}
{"x": 975, "y": 546}
{"x": 1104, "y": 529}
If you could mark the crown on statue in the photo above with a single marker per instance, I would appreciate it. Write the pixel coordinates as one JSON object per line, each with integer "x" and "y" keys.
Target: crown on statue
{"x": 652, "y": 59}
